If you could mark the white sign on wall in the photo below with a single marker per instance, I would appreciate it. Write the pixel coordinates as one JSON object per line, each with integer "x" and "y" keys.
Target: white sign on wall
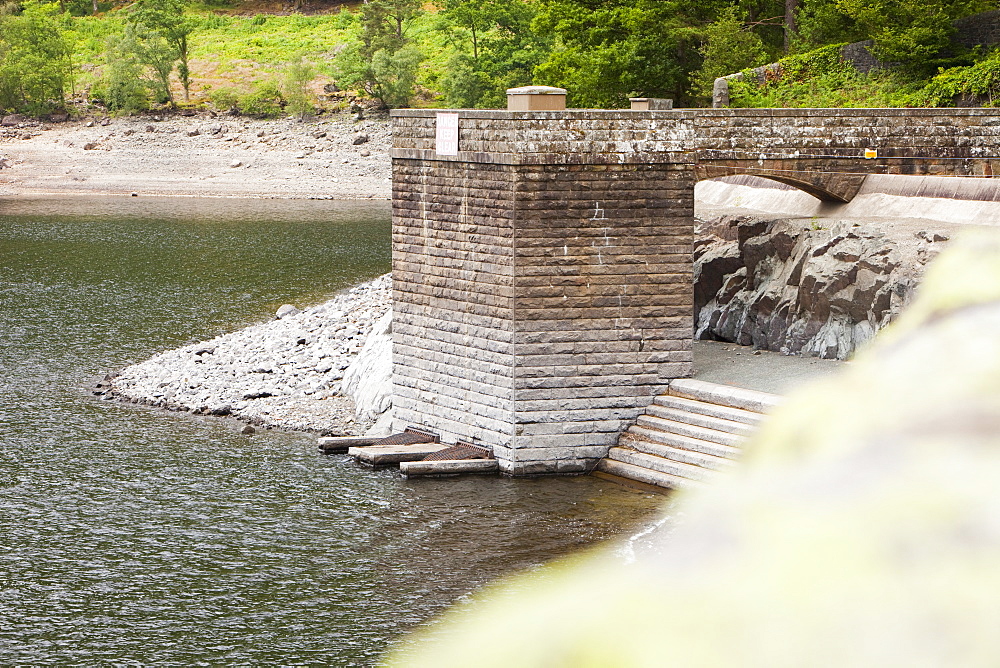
{"x": 447, "y": 134}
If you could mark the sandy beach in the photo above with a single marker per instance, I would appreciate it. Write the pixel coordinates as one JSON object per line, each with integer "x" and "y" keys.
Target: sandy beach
{"x": 331, "y": 157}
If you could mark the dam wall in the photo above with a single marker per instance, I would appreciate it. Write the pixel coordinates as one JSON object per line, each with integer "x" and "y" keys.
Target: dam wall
{"x": 542, "y": 261}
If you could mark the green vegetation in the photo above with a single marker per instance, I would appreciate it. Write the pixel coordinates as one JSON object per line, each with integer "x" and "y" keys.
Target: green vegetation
{"x": 130, "y": 56}
{"x": 35, "y": 60}
{"x": 821, "y": 78}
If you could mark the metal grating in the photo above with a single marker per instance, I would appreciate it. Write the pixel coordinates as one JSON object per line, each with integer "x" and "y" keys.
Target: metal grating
{"x": 410, "y": 436}
{"x": 460, "y": 450}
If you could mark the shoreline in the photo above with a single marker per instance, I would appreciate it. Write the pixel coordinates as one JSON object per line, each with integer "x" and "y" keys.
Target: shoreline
{"x": 333, "y": 157}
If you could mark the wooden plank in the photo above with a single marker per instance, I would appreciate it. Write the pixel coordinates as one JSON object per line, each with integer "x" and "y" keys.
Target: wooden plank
{"x": 336, "y": 444}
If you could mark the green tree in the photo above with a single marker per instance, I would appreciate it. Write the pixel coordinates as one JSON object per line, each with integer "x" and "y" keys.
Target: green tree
{"x": 729, "y": 47}
{"x": 384, "y": 62}
{"x": 608, "y": 50}
{"x": 124, "y": 86}
{"x": 157, "y": 20}
{"x": 910, "y": 32}
{"x": 822, "y": 22}
{"x": 35, "y": 60}
{"x": 495, "y": 49}
{"x": 298, "y": 74}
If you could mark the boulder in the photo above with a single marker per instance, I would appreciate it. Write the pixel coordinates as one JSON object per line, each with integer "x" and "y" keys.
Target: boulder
{"x": 360, "y": 138}
{"x": 368, "y": 380}
{"x": 286, "y": 310}
{"x": 11, "y": 120}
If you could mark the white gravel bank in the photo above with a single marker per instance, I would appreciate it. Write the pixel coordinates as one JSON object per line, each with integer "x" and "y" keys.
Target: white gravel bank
{"x": 284, "y": 373}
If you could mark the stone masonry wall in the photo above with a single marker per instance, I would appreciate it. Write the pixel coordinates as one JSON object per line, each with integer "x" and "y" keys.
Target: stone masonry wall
{"x": 453, "y": 318}
{"x": 543, "y": 288}
{"x": 603, "y": 295}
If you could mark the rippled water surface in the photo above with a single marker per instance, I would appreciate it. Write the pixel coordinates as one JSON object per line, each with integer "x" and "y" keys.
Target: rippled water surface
{"x": 132, "y": 535}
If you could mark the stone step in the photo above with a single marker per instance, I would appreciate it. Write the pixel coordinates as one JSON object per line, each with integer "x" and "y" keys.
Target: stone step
{"x": 655, "y": 436}
{"x": 700, "y": 419}
{"x": 689, "y": 430}
{"x": 644, "y": 475}
{"x": 724, "y": 395}
{"x": 713, "y": 410}
{"x": 660, "y": 464}
{"x": 683, "y": 455}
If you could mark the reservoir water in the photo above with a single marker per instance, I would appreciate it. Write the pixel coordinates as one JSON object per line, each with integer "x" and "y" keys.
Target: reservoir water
{"x": 137, "y": 536}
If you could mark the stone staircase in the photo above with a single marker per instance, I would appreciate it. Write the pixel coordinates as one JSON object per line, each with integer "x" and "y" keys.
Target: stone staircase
{"x": 688, "y": 434}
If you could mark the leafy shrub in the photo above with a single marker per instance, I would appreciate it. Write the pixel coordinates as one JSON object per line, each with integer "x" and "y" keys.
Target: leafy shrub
{"x": 980, "y": 81}
{"x": 225, "y": 99}
{"x": 264, "y": 101}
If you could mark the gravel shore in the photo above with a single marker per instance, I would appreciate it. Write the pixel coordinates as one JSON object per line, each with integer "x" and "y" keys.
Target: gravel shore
{"x": 332, "y": 157}
{"x": 284, "y": 373}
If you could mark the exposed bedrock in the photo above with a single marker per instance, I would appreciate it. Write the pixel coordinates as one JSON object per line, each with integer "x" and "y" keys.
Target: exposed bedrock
{"x": 798, "y": 286}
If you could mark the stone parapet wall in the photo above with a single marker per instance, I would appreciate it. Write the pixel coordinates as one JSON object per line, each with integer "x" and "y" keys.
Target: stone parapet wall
{"x": 822, "y": 151}
{"x": 590, "y": 136}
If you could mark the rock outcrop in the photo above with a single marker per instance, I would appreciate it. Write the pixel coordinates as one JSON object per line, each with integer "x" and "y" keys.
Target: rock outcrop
{"x": 790, "y": 287}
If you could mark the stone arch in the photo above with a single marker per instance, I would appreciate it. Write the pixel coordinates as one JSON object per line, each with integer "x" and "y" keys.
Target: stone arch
{"x": 823, "y": 185}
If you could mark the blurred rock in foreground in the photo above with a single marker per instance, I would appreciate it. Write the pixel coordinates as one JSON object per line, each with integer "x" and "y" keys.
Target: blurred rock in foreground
{"x": 862, "y": 528}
